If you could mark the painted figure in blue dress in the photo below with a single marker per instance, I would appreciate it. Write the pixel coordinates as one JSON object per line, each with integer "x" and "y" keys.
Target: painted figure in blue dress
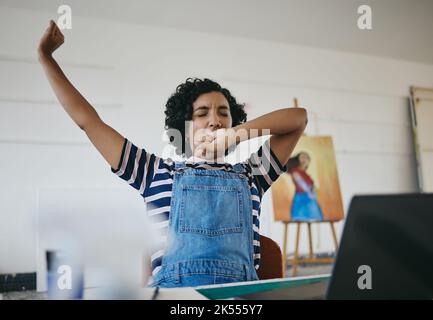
{"x": 304, "y": 206}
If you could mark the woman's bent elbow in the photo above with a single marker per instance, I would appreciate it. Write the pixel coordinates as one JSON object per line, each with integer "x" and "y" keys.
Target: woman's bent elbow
{"x": 303, "y": 117}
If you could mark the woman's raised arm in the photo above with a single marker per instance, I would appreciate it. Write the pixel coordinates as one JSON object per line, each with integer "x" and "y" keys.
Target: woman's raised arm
{"x": 107, "y": 140}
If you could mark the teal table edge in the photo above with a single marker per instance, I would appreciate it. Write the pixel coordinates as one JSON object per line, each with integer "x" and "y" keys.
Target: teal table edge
{"x": 239, "y": 289}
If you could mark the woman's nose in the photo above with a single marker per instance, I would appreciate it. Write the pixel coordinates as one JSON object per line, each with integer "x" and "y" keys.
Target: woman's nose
{"x": 215, "y": 125}
{"x": 214, "y": 122}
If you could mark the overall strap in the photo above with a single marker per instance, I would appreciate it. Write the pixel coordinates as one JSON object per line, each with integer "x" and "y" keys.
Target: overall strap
{"x": 238, "y": 168}
{"x": 179, "y": 165}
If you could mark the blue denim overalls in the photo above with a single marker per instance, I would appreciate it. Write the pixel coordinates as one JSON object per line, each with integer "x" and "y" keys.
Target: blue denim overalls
{"x": 210, "y": 236}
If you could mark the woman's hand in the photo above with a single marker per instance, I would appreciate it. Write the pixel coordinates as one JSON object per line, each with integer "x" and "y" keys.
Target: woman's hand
{"x": 51, "y": 40}
{"x": 203, "y": 135}
{"x": 216, "y": 143}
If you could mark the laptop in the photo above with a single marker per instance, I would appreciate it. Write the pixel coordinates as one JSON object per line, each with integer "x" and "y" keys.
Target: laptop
{"x": 386, "y": 249}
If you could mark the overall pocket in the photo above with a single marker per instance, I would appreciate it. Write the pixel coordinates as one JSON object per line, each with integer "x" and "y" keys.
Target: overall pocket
{"x": 211, "y": 210}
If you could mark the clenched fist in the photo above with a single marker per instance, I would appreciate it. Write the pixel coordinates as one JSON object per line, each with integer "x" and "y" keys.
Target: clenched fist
{"x": 51, "y": 40}
{"x": 215, "y": 145}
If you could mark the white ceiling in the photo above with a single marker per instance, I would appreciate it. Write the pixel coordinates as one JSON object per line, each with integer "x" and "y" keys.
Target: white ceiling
{"x": 402, "y": 29}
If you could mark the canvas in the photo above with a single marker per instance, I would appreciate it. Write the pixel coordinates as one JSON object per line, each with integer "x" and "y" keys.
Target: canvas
{"x": 310, "y": 189}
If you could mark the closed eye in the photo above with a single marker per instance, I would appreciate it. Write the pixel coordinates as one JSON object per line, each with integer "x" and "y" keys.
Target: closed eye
{"x": 205, "y": 114}
{"x": 203, "y": 111}
{"x": 224, "y": 110}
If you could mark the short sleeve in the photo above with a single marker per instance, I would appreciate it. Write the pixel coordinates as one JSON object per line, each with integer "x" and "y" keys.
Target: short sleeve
{"x": 136, "y": 166}
{"x": 265, "y": 167}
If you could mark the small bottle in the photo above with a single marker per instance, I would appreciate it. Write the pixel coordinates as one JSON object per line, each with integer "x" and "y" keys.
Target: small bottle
{"x": 65, "y": 278}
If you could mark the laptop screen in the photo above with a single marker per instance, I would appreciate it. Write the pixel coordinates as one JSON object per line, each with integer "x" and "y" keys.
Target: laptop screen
{"x": 386, "y": 249}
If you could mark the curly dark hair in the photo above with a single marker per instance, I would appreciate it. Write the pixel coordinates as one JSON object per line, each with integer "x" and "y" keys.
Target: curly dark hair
{"x": 178, "y": 109}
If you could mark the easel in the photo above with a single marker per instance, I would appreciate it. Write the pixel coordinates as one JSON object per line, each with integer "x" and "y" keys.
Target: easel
{"x": 311, "y": 258}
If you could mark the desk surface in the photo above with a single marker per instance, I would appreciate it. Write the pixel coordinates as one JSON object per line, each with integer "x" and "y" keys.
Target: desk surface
{"x": 287, "y": 288}
{"x": 239, "y": 289}
{"x": 144, "y": 294}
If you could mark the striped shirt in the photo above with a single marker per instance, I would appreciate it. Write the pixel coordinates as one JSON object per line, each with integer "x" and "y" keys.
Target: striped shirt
{"x": 152, "y": 176}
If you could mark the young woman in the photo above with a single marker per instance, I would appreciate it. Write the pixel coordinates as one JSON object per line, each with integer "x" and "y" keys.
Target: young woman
{"x": 304, "y": 206}
{"x": 207, "y": 211}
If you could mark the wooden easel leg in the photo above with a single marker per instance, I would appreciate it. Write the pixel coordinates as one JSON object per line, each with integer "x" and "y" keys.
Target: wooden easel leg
{"x": 334, "y": 235}
{"x": 310, "y": 240}
{"x": 286, "y": 224}
{"x": 295, "y": 258}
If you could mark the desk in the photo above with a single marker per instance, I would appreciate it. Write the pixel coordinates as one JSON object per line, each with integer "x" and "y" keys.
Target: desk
{"x": 311, "y": 287}
{"x": 308, "y": 287}
{"x": 145, "y": 294}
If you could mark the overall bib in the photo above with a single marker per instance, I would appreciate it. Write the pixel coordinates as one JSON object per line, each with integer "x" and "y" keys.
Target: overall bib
{"x": 210, "y": 235}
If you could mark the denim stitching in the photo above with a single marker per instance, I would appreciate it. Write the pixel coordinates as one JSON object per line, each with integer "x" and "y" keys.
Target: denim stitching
{"x": 211, "y": 232}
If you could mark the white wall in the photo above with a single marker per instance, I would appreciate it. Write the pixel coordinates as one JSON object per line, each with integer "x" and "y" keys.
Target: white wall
{"x": 128, "y": 72}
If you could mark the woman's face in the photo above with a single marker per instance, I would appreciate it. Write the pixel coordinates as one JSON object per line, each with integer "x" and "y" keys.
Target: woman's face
{"x": 211, "y": 111}
{"x": 304, "y": 160}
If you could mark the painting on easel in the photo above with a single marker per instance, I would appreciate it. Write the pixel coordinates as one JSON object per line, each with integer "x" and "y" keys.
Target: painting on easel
{"x": 309, "y": 191}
